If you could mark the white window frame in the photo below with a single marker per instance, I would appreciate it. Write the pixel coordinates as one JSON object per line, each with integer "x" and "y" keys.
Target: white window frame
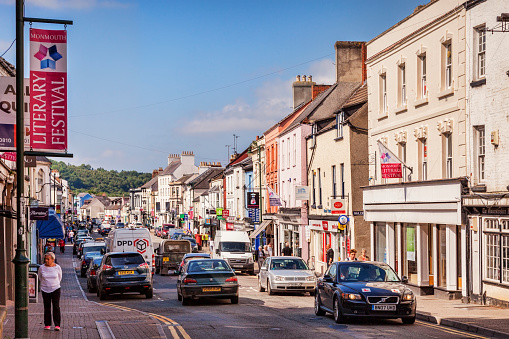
{"x": 383, "y": 81}
{"x": 496, "y": 249}
{"x": 282, "y": 154}
{"x": 422, "y": 60}
{"x": 340, "y": 119}
{"x": 289, "y": 149}
{"x": 481, "y": 52}
{"x": 481, "y": 153}
{"x": 402, "y": 75}
{"x": 448, "y": 156}
{"x": 424, "y": 150}
{"x": 295, "y": 150}
{"x": 448, "y": 64}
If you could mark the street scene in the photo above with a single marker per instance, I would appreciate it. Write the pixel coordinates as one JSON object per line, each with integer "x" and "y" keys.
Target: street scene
{"x": 307, "y": 169}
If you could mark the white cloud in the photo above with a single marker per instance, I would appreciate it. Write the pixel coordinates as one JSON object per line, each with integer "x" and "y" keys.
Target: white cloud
{"x": 75, "y": 4}
{"x": 110, "y": 154}
{"x": 274, "y": 101}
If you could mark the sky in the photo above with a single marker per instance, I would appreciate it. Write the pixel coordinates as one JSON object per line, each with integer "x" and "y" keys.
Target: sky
{"x": 152, "y": 78}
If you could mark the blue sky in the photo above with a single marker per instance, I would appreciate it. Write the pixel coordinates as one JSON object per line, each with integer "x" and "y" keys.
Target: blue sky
{"x": 150, "y": 78}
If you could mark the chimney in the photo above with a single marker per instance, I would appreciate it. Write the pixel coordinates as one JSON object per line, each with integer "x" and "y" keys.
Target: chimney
{"x": 350, "y": 61}
{"x": 172, "y": 158}
{"x": 155, "y": 173}
{"x": 302, "y": 90}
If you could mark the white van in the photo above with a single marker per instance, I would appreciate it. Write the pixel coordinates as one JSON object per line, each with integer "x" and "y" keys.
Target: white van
{"x": 132, "y": 240}
{"x": 234, "y": 247}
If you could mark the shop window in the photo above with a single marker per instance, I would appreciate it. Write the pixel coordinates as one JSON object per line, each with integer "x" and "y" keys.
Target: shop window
{"x": 496, "y": 240}
{"x": 410, "y": 253}
{"x": 381, "y": 242}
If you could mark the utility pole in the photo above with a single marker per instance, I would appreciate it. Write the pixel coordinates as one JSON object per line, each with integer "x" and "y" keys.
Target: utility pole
{"x": 228, "y": 159}
{"x": 235, "y": 143}
{"x": 20, "y": 259}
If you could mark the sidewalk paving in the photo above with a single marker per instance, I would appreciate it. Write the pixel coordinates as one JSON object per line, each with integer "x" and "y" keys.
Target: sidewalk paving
{"x": 79, "y": 315}
{"x": 483, "y": 320}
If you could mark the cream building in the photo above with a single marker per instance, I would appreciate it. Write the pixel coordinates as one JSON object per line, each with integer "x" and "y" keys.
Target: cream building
{"x": 416, "y": 94}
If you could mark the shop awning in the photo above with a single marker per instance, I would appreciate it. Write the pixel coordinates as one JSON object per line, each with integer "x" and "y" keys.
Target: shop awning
{"x": 260, "y": 228}
{"x": 51, "y": 228}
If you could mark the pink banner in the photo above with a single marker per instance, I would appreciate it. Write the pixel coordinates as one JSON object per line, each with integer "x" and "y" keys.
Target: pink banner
{"x": 391, "y": 171}
{"x": 48, "y": 89}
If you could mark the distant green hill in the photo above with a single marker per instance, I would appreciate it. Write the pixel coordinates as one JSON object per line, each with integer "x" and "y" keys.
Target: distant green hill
{"x": 84, "y": 178}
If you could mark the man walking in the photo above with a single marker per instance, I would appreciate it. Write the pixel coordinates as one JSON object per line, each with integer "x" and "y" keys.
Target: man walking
{"x": 330, "y": 255}
{"x": 287, "y": 251}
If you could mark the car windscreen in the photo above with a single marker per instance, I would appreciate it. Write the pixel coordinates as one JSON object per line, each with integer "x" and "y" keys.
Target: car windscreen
{"x": 233, "y": 246}
{"x": 197, "y": 257}
{"x": 126, "y": 259}
{"x": 97, "y": 261}
{"x": 352, "y": 272}
{"x": 208, "y": 265}
{"x": 92, "y": 254}
{"x": 176, "y": 247}
{"x": 192, "y": 240}
{"x": 87, "y": 249}
{"x": 288, "y": 264}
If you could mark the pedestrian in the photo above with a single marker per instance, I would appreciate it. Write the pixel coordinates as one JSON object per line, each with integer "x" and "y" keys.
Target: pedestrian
{"x": 50, "y": 275}
{"x": 211, "y": 247}
{"x": 351, "y": 256}
{"x": 330, "y": 255}
{"x": 287, "y": 250}
{"x": 260, "y": 257}
{"x": 269, "y": 250}
{"x": 61, "y": 244}
{"x": 363, "y": 256}
{"x": 71, "y": 236}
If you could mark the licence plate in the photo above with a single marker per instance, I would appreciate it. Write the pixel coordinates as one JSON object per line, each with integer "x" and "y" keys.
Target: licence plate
{"x": 384, "y": 307}
{"x": 211, "y": 289}
{"x": 125, "y": 272}
{"x": 237, "y": 266}
{"x": 166, "y": 259}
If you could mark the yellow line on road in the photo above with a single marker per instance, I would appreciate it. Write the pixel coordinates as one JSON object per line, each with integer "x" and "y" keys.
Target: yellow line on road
{"x": 450, "y": 330}
{"x": 183, "y": 332}
{"x": 173, "y": 324}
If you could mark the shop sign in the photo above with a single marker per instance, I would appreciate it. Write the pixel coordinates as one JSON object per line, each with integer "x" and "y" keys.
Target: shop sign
{"x": 226, "y": 213}
{"x": 254, "y": 214}
{"x": 39, "y": 213}
{"x": 390, "y": 165}
{"x": 229, "y": 226}
{"x": 325, "y": 225}
{"x": 308, "y": 233}
{"x": 301, "y": 192}
{"x": 219, "y": 211}
{"x": 230, "y": 219}
{"x": 207, "y": 221}
{"x": 358, "y": 213}
{"x": 338, "y": 206}
{"x": 182, "y": 216}
{"x": 253, "y": 200}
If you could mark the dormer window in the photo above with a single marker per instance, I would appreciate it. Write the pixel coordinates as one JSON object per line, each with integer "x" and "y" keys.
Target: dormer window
{"x": 340, "y": 119}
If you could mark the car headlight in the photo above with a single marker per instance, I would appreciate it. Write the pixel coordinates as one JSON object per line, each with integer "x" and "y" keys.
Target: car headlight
{"x": 408, "y": 296}
{"x": 351, "y": 296}
{"x": 279, "y": 278}
{"x": 250, "y": 260}
{"x": 310, "y": 278}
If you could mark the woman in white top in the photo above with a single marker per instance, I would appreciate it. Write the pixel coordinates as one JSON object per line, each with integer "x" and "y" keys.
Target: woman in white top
{"x": 50, "y": 275}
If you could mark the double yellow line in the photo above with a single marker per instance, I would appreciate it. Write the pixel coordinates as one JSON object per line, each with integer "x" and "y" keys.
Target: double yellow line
{"x": 449, "y": 330}
{"x": 172, "y": 324}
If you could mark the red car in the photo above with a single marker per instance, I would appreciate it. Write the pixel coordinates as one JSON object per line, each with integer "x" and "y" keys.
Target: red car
{"x": 158, "y": 231}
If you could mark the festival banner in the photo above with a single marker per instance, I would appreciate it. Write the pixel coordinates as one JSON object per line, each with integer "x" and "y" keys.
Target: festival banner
{"x": 390, "y": 164}
{"x": 274, "y": 199}
{"x": 48, "y": 89}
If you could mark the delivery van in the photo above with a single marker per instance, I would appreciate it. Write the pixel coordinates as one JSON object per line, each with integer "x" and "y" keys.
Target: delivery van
{"x": 132, "y": 240}
{"x": 235, "y": 248}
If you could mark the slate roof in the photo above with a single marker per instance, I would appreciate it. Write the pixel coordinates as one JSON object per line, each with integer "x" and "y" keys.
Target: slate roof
{"x": 334, "y": 101}
{"x": 202, "y": 181}
{"x": 150, "y": 183}
{"x": 182, "y": 180}
{"x": 171, "y": 167}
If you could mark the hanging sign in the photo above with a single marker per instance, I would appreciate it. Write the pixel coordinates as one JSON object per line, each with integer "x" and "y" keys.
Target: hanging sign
{"x": 48, "y": 88}
{"x": 274, "y": 199}
{"x": 301, "y": 192}
{"x": 389, "y": 163}
{"x": 253, "y": 200}
{"x": 338, "y": 206}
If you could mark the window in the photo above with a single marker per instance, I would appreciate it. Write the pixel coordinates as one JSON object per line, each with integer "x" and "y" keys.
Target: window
{"x": 289, "y": 150}
{"x": 447, "y": 155}
{"x": 283, "y": 155}
{"x": 402, "y": 156}
{"x": 423, "y": 88}
{"x": 424, "y": 161}
{"x": 448, "y": 65}
{"x": 481, "y": 52}
{"x": 315, "y": 129}
{"x": 314, "y": 189}
{"x": 294, "y": 150}
{"x": 342, "y": 169}
{"x": 383, "y": 94}
{"x": 319, "y": 188}
{"x": 496, "y": 240}
{"x": 334, "y": 184}
{"x": 481, "y": 152}
{"x": 340, "y": 119}
{"x": 442, "y": 255}
{"x": 402, "y": 85}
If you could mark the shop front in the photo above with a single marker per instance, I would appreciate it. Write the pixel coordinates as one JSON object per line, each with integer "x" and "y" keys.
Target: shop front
{"x": 321, "y": 234}
{"x": 290, "y": 229}
{"x": 417, "y": 229}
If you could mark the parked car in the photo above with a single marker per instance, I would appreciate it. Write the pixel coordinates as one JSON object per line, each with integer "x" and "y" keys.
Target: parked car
{"x": 85, "y": 262}
{"x": 364, "y": 290}
{"x": 169, "y": 255}
{"x": 286, "y": 274}
{"x": 158, "y": 230}
{"x": 122, "y": 272}
{"x": 207, "y": 278}
{"x": 166, "y": 230}
{"x": 79, "y": 240}
{"x": 119, "y": 225}
{"x": 194, "y": 244}
{"x": 177, "y": 234}
{"x": 92, "y": 273}
{"x": 190, "y": 256}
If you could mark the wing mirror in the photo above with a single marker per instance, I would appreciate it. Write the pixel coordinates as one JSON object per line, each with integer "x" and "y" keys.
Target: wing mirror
{"x": 263, "y": 268}
{"x": 218, "y": 251}
{"x": 404, "y": 279}
{"x": 327, "y": 278}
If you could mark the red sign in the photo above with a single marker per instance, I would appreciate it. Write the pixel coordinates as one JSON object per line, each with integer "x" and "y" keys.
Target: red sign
{"x": 226, "y": 213}
{"x": 338, "y": 206}
{"x": 391, "y": 171}
{"x": 325, "y": 225}
{"x": 229, "y": 226}
{"x": 190, "y": 214}
{"x": 48, "y": 89}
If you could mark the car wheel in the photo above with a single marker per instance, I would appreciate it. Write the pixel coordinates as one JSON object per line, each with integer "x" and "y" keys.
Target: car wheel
{"x": 269, "y": 288}
{"x": 235, "y": 300}
{"x": 318, "y": 306}
{"x": 251, "y": 273}
{"x": 408, "y": 321}
{"x": 103, "y": 295}
{"x": 157, "y": 270}
{"x": 260, "y": 287}
{"x": 185, "y": 301}
{"x": 149, "y": 294}
{"x": 83, "y": 275}
{"x": 338, "y": 317}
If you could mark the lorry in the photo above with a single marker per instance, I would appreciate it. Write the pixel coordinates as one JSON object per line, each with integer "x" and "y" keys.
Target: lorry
{"x": 132, "y": 240}
{"x": 235, "y": 248}
{"x": 169, "y": 255}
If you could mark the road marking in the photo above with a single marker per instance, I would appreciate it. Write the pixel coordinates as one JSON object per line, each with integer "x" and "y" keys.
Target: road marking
{"x": 449, "y": 330}
{"x": 173, "y": 324}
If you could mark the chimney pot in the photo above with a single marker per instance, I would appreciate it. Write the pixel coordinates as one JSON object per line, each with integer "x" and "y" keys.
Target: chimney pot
{"x": 298, "y": 77}
{"x": 303, "y": 78}
{"x": 310, "y": 78}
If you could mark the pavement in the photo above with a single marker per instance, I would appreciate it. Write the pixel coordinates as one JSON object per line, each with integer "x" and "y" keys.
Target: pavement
{"x": 84, "y": 319}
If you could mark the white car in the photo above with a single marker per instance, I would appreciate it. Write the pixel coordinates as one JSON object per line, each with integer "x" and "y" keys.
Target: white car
{"x": 286, "y": 274}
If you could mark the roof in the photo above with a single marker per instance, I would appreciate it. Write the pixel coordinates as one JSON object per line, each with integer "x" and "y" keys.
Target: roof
{"x": 171, "y": 167}
{"x": 202, "y": 180}
{"x": 360, "y": 96}
{"x": 7, "y": 67}
{"x": 334, "y": 101}
{"x": 150, "y": 183}
{"x": 299, "y": 107}
{"x": 311, "y": 107}
{"x": 182, "y": 180}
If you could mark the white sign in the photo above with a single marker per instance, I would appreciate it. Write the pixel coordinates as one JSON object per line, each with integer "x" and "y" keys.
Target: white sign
{"x": 301, "y": 192}
{"x": 338, "y": 206}
{"x": 8, "y": 112}
{"x": 230, "y": 219}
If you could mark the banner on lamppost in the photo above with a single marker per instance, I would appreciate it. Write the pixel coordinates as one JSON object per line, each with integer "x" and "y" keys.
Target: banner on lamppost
{"x": 48, "y": 89}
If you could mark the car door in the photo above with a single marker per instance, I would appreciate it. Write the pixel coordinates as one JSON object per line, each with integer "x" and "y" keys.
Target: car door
{"x": 263, "y": 272}
{"x": 329, "y": 287}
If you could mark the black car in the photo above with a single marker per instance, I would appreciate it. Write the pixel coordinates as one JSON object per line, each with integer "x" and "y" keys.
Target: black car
{"x": 122, "y": 272}
{"x": 194, "y": 245}
{"x": 87, "y": 258}
{"x": 364, "y": 290}
{"x": 78, "y": 241}
{"x": 207, "y": 278}
{"x": 91, "y": 273}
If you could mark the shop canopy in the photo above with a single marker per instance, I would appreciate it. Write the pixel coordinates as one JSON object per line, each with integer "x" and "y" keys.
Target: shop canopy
{"x": 51, "y": 228}
{"x": 260, "y": 228}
